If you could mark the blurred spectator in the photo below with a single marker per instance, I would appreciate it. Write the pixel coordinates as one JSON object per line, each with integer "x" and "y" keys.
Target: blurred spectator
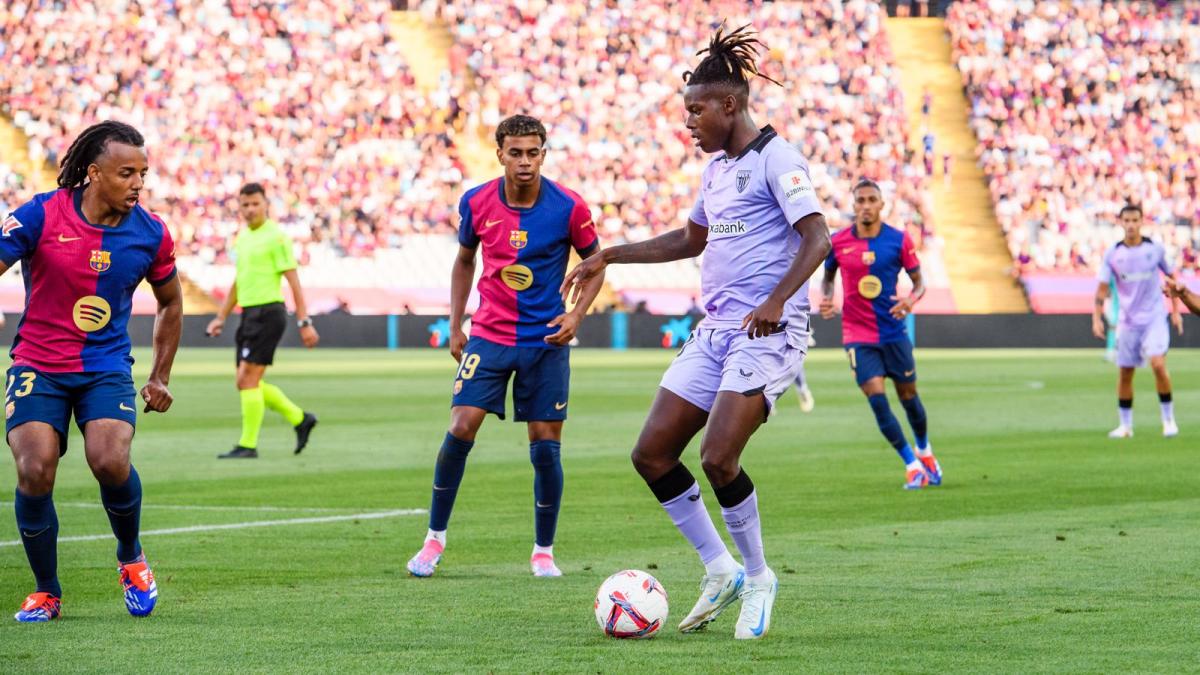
{"x": 1081, "y": 107}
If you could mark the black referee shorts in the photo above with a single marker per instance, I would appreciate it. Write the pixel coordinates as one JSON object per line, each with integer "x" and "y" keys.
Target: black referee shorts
{"x": 260, "y": 331}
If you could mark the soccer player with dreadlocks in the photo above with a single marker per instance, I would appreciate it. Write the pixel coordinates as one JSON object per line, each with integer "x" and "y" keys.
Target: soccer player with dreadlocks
{"x": 760, "y": 226}
{"x": 83, "y": 249}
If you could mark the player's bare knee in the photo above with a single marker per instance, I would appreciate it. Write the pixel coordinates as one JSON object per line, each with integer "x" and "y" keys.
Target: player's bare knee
{"x": 109, "y": 467}
{"x": 650, "y": 465}
{"x": 35, "y": 475}
{"x": 719, "y": 469}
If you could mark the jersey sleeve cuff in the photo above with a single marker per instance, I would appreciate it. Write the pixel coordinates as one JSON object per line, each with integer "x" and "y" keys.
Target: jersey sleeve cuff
{"x": 174, "y": 273}
{"x": 589, "y": 250}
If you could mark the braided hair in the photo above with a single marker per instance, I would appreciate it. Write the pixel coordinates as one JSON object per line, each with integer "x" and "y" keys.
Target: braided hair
{"x": 90, "y": 145}
{"x": 731, "y": 59}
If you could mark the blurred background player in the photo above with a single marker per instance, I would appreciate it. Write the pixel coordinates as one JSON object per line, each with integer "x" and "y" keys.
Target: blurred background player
{"x": 1133, "y": 264}
{"x": 870, "y": 254}
{"x": 527, "y": 225}
{"x": 263, "y": 254}
{"x": 759, "y": 224}
{"x": 86, "y": 246}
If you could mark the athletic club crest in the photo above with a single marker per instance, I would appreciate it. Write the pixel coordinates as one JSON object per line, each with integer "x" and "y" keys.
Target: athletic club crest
{"x": 518, "y": 238}
{"x": 100, "y": 261}
{"x": 743, "y": 179}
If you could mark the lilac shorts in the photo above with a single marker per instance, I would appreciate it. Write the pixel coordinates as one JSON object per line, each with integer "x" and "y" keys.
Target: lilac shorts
{"x": 1135, "y": 344}
{"x": 725, "y": 359}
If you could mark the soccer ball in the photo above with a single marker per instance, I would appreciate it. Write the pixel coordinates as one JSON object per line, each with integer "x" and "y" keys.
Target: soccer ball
{"x": 631, "y": 604}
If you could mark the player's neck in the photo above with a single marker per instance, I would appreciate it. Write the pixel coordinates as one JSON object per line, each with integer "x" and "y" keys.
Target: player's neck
{"x": 522, "y": 196}
{"x": 97, "y": 212}
{"x": 255, "y": 226}
{"x": 868, "y": 231}
{"x": 743, "y": 134}
{"x": 1134, "y": 242}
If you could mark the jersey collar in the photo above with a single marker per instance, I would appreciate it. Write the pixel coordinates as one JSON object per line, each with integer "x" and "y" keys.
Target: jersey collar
{"x": 760, "y": 141}
{"x": 77, "y": 201}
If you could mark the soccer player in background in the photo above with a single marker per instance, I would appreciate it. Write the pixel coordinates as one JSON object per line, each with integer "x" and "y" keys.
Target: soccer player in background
{"x": 84, "y": 248}
{"x": 760, "y": 227}
{"x": 527, "y": 226}
{"x": 263, "y": 254}
{"x": 1134, "y": 264}
{"x": 871, "y": 254}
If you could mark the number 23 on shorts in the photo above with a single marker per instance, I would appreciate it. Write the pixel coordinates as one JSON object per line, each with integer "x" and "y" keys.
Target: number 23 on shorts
{"x": 26, "y": 387}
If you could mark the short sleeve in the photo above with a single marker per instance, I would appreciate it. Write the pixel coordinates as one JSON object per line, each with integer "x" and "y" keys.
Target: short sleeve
{"x": 21, "y": 230}
{"x": 789, "y": 180}
{"x": 282, "y": 255}
{"x": 698, "y": 216}
{"x": 466, "y": 227}
{"x": 1105, "y": 274}
{"x": 583, "y": 230}
{"x": 162, "y": 269}
{"x": 908, "y": 254}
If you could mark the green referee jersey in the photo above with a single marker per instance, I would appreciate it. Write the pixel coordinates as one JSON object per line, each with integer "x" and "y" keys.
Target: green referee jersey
{"x": 262, "y": 256}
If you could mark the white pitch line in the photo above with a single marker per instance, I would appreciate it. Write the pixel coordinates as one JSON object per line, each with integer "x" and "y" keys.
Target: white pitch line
{"x": 374, "y": 515}
{"x": 205, "y": 507}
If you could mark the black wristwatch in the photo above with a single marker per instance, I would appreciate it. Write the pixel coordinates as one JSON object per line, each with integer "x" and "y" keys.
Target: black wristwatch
{"x": 304, "y": 323}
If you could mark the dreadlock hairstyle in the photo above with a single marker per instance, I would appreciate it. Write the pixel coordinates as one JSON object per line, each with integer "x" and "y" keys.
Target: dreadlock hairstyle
{"x": 731, "y": 59}
{"x": 90, "y": 145}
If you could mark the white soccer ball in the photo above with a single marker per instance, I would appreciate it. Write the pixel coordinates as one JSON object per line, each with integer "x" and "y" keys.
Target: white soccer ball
{"x": 631, "y": 604}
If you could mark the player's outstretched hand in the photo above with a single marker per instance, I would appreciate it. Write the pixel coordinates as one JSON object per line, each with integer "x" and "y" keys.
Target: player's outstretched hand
{"x": 826, "y": 307}
{"x": 1177, "y": 321}
{"x": 575, "y": 280}
{"x": 458, "y": 342}
{"x": 902, "y": 308}
{"x": 156, "y": 396}
{"x": 764, "y": 320}
{"x": 309, "y": 336}
{"x": 215, "y": 327}
{"x": 1174, "y": 288}
{"x": 1098, "y": 328}
{"x": 567, "y": 324}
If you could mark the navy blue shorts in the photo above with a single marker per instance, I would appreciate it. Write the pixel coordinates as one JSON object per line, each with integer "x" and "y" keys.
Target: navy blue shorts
{"x": 34, "y": 396}
{"x": 893, "y": 359}
{"x": 540, "y": 388}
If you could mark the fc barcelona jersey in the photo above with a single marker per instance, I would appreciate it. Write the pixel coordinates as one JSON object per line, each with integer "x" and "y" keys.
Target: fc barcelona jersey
{"x": 870, "y": 271}
{"x": 79, "y": 281}
{"x": 525, "y": 255}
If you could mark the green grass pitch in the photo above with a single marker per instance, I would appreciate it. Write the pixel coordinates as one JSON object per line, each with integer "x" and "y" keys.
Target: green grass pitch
{"x": 1049, "y": 548}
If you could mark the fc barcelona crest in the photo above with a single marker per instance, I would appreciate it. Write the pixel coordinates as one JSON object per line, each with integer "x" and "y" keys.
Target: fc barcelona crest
{"x": 868, "y": 257}
{"x": 518, "y": 238}
{"x": 743, "y": 179}
{"x": 100, "y": 261}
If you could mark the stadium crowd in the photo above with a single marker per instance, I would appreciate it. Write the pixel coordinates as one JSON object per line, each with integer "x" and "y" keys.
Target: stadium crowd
{"x": 1081, "y": 107}
{"x": 314, "y": 99}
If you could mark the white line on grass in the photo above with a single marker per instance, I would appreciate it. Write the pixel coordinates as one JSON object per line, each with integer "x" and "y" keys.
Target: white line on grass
{"x": 374, "y": 515}
{"x": 205, "y": 507}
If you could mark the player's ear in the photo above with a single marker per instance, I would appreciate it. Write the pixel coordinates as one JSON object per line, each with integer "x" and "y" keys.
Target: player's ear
{"x": 93, "y": 172}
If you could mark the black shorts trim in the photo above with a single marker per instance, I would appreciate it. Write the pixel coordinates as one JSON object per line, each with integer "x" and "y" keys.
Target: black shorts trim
{"x": 259, "y": 333}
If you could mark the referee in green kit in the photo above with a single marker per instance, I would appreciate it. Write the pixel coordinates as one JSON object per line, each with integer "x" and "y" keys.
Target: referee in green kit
{"x": 263, "y": 253}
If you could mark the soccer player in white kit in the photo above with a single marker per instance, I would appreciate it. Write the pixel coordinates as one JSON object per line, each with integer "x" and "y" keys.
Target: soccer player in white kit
{"x": 760, "y": 227}
{"x": 1134, "y": 263}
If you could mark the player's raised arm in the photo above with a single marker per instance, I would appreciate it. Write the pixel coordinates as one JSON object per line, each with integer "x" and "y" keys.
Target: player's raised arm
{"x": 168, "y": 326}
{"x": 686, "y": 242}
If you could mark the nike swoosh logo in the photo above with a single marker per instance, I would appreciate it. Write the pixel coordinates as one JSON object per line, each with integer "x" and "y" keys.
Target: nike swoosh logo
{"x": 63, "y": 240}
{"x": 490, "y": 223}
{"x": 560, "y": 406}
{"x": 439, "y": 489}
{"x": 762, "y": 619}
{"x": 543, "y": 506}
{"x": 126, "y": 408}
{"x": 737, "y": 581}
{"x": 909, "y": 373}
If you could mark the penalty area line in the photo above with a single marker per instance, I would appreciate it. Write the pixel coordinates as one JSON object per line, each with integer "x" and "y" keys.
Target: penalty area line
{"x": 372, "y": 515}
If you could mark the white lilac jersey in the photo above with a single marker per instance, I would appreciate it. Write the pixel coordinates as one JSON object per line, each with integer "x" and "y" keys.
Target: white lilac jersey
{"x": 1135, "y": 270}
{"x": 749, "y": 204}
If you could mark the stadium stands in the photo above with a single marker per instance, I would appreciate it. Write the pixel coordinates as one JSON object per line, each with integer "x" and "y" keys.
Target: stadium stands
{"x": 1079, "y": 108}
{"x": 315, "y": 100}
